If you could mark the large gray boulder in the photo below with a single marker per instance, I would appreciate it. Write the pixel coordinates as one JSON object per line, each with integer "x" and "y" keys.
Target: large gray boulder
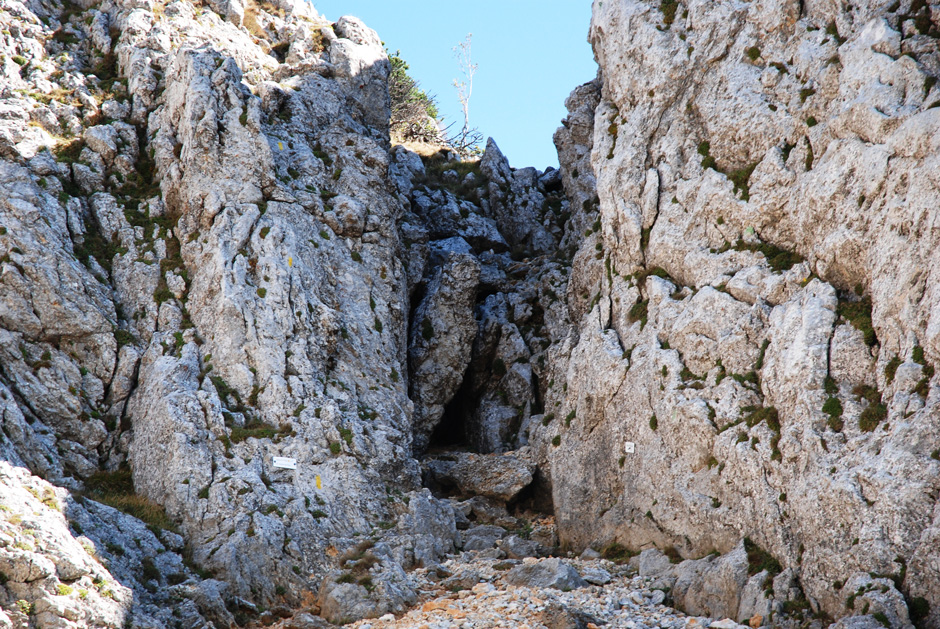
{"x": 712, "y": 586}
{"x": 547, "y": 573}
{"x": 429, "y": 526}
{"x": 482, "y": 537}
{"x": 516, "y": 547}
{"x": 499, "y": 476}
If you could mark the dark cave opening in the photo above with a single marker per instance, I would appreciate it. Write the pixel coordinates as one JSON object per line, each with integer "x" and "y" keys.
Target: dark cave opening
{"x": 452, "y": 432}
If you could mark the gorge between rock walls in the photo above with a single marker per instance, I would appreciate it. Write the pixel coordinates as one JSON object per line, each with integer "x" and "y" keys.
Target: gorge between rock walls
{"x": 712, "y": 331}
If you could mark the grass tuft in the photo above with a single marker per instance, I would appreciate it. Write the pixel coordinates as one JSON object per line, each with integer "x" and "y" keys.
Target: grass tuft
{"x": 116, "y": 489}
{"x": 759, "y": 559}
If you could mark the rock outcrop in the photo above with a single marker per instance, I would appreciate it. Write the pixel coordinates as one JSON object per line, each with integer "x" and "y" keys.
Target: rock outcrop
{"x": 212, "y": 262}
{"x": 201, "y": 272}
{"x": 755, "y": 307}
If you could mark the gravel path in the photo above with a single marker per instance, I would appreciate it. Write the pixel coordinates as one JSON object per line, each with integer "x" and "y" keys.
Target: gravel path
{"x": 626, "y": 601}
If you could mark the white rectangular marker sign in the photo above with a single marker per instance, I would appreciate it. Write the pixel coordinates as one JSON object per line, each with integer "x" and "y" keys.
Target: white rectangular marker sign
{"x": 285, "y": 463}
{"x": 629, "y": 447}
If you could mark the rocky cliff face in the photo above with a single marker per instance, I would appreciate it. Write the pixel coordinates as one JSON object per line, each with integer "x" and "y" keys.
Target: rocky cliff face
{"x": 713, "y": 329}
{"x": 202, "y": 271}
{"x": 211, "y": 258}
{"x": 756, "y": 306}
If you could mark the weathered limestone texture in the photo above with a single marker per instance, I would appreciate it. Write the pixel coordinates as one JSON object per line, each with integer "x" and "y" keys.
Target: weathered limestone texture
{"x": 764, "y": 314}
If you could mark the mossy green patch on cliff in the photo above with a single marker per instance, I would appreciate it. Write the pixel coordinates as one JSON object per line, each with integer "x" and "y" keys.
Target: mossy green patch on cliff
{"x": 640, "y": 312}
{"x": 858, "y": 313}
{"x": 927, "y": 371}
{"x": 668, "y": 8}
{"x": 833, "y": 408}
{"x": 704, "y": 149}
{"x": 778, "y": 259}
{"x": 226, "y": 393}
{"x": 891, "y": 369}
{"x": 875, "y": 412}
{"x": 658, "y": 271}
{"x": 255, "y": 429}
{"x": 116, "y": 489}
{"x": 833, "y": 31}
{"x": 437, "y": 164}
{"x": 68, "y": 152}
{"x": 740, "y": 177}
{"x": 96, "y": 245}
{"x": 753, "y": 415}
{"x": 919, "y": 608}
{"x": 759, "y": 559}
{"x": 673, "y": 554}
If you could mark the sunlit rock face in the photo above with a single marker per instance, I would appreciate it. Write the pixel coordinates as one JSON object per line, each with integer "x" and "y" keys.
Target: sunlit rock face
{"x": 757, "y": 304}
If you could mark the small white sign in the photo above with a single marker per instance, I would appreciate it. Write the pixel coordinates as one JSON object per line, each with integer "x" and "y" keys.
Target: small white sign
{"x": 629, "y": 447}
{"x": 285, "y": 463}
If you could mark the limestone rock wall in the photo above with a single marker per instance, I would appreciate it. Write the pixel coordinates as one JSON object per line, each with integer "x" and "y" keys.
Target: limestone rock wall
{"x": 756, "y": 308}
{"x": 202, "y": 270}
{"x": 211, "y": 256}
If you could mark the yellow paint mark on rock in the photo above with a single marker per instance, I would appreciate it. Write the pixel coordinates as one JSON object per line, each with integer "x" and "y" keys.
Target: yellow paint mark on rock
{"x": 319, "y": 484}
{"x": 290, "y": 261}
{"x": 280, "y": 146}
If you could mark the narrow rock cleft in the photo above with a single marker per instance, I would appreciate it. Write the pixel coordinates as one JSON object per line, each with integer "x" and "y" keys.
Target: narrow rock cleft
{"x": 261, "y": 365}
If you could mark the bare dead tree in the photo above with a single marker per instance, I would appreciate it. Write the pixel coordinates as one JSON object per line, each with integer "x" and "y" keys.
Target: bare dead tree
{"x": 467, "y": 141}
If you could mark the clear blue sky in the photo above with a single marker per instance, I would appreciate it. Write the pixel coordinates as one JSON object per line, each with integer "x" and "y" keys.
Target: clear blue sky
{"x": 531, "y": 54}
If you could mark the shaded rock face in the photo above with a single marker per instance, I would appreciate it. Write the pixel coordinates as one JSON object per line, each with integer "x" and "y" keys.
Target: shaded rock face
{"x": 482, "y": 316}
{"x": 441, "y": 337}
{"x": 755, "y": 309}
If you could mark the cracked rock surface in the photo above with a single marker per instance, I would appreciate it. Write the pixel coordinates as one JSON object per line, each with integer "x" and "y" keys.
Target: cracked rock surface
{"x": 756, "y": 307}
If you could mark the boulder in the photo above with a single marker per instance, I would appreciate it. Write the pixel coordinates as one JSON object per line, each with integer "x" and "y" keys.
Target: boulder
{"x": 547, "y": 573}
{"x": 499, "y": 476}
{"x": 517, "y": 548}
{"x": 595, "y": 575}
{"x": 482, "y": 537}
{"x": 559, "y": 616}
{"x": 462, "y": 580}
{"x": 712, "y": 586}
